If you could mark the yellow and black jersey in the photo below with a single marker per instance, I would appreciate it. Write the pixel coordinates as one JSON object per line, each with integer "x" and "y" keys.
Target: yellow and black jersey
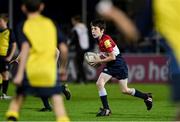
{"x": 7, "y": 37}
{"x": 43, "y": 36}
{"x": 167, "y": 20}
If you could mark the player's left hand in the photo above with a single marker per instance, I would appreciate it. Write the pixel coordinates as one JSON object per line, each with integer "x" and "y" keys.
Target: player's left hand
{"x": 95, "y": 62}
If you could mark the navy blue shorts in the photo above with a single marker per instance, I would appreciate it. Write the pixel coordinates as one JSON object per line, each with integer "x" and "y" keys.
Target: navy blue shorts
{"x": 117, "y": 68}
{"x": 26, "y": 89}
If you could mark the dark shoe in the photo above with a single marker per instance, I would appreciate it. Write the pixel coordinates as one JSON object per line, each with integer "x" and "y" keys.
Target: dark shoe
{"x": 149, "y": 101}
{"x": 66, "y": 91}
{"x": 11, "y": 119}
{"x": 45, "y": 109}
{"x": 103, "y": 112}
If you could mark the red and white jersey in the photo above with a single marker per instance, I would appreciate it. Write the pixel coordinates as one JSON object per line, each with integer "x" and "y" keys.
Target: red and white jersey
{"x": 107, "y": 45}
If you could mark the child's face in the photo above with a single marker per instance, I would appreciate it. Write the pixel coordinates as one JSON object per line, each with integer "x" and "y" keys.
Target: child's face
{"x": 96, "y": 32}
{"x": 3, "y": 23}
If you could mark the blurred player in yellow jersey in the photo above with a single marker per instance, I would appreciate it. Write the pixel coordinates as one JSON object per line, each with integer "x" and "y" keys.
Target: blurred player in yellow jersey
{"x": 37, "y": 71}
{"x": 167, "y": 21}
{"x": 7, "y": 51}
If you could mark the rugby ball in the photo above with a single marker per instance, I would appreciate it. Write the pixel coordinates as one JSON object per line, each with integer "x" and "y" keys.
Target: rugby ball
{"x": 90, "y": 57}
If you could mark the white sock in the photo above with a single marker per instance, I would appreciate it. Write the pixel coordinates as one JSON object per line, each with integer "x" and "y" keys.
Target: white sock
{"x": 133, "y": 91}
{"x": 102, "y": 92}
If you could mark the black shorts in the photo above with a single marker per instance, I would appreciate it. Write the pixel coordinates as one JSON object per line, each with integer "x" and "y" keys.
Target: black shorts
{"x": 117, "y": 68}
{"x": 4, "y": 65}
{"x": 26, "y": 89}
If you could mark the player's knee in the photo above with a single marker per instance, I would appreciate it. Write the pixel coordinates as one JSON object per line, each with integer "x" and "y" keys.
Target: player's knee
{"x": 5, "y": 77}
{"x": 99, "y": 84}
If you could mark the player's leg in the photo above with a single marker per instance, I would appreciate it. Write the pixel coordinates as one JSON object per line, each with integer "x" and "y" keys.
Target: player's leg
{"x": 81, "y": 76}
{"x": 102, "y": 80}
{"x": 14, "y": 108}
{"x": 59, "y": 109}
{"x": 134, "y": 92}
{"x": 66, "y": 91}
{"x": 5, "y": 84}
{"x": 47, "y": 106}
{"x": 5, "y": 76}
{"x": 177, "y": 112}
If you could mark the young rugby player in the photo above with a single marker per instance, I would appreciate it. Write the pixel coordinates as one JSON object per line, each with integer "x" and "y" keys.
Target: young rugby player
{"x": 7, "y": 50}
{"x": 37, "y": 72}
{"x": 167, "y": 21}
{"x": 64, "y": 87}
{"x": 115, "y": 67}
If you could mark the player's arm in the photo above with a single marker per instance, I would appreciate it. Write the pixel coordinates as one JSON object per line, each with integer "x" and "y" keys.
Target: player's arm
{"x": 57, "y": 54}
{"x": 63, "y": 61}
{"x": 110, "y": 57}
{"x": 63, "y": 56}
{"x": 23, "y": 58}
{"x": 14, "y": 46}
{"x": 124, "y": 24}
{"x": 13, "y": 50}
{"x": 24, "y": 46}
{"x": 63, "y": 53}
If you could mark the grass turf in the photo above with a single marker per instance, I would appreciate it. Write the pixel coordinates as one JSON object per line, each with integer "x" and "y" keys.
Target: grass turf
{"x": 85, "y": 103}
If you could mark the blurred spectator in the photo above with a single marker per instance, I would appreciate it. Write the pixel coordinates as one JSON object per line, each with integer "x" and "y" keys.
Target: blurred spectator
{"x": 80, "y": 39}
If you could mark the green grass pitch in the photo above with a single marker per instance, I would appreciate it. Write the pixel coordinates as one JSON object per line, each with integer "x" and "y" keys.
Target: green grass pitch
{"x": 85, "y": 103}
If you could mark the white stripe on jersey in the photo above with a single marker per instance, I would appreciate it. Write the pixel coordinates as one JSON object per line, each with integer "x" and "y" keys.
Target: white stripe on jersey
{"x": 115, "y": 51}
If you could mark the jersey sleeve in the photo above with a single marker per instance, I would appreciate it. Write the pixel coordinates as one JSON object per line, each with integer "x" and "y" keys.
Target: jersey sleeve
{"x": 108, "y": 46}
{"x": 60, "y": 36}
{"x": 12, "y": 37}
{"x": 21, "y": 37}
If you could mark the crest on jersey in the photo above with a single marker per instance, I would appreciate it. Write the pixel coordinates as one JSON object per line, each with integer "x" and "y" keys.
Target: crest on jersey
{"x": 107, "y": 43}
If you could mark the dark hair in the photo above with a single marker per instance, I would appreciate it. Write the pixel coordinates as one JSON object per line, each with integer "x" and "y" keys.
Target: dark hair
{"x": 4, "y": 16}
{"x": 99, "y": 23}
{"x": 77, "y": 18}
{"x": 32, "y": 5}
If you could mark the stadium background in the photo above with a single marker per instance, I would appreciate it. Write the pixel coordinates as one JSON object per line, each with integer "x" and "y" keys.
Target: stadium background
{"x": 140, "y": 12}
